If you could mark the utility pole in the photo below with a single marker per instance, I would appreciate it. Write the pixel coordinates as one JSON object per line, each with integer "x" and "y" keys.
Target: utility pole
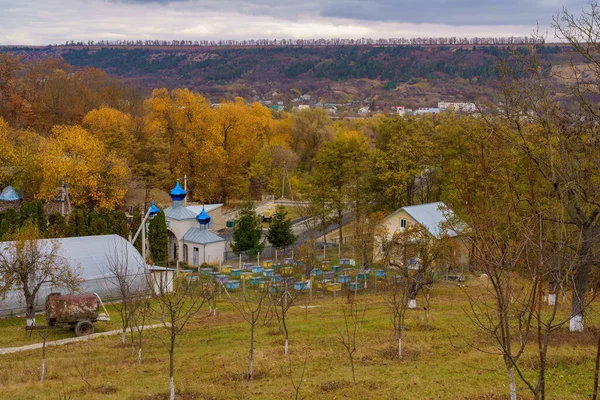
{"x": 185, "y": 188}
{"x": 283, "y": 181}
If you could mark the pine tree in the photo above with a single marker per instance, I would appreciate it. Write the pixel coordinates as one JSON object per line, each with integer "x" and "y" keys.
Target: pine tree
{"x": 118, "y": 223}
{"x": 247, "y": 232}
{"x": 158, "y": 238}
{"x": 57, "y": 225}
{"x": 280, "y": 233}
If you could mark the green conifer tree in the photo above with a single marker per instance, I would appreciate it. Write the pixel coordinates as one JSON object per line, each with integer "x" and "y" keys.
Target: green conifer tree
{"x": 247, "y": 232}
{"x": 280, "y": 233}
{"x": 158, "y": 239}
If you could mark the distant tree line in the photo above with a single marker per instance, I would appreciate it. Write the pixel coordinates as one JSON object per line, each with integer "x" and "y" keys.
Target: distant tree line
{"x": 439, "y": 41}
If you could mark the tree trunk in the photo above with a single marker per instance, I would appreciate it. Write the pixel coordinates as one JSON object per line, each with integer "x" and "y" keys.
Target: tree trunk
{"x": 511, "y": 383}
{"x": 285, "y": 351}
{"x": 171, "y": 369}
{"x": 340, "y": 221}
{"x": 412, "y": 303}
{"x": 400, "y": 346}
{"x": 580, "y": 279}
{"x": 30, "y": 310}
{"x": 251, "y": 355}
{"x": 596, "y": 370}
{"x": 353, "y": 372}
{"x": 413, "y": 289}
{"x": 43, "y": 359}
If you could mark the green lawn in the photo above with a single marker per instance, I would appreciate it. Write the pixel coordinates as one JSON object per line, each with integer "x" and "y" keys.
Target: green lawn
{"x": 211, "y": 358}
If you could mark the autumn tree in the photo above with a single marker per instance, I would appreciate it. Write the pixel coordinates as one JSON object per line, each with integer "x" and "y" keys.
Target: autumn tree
{"x": 177, "y": 132}
{"x": 342, "y": 174}
{"x": 8, "y": 155}
{"x": 561, "y": 143}
{"x": 403, "y": 160}
{"x": 114, "y": 128}
{"x": 241, "y": 129}
{"x": 96, "y": 176}
{"x": 311, "y": 129}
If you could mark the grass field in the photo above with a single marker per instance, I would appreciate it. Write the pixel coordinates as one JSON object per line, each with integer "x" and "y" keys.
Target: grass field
{"x": 211, "y": 358}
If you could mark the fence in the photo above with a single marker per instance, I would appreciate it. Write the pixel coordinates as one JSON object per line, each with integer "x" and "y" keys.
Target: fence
{"x": 323, "y": 251}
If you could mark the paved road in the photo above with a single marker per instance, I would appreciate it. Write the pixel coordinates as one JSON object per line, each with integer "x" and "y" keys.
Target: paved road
{"x": 11, "y": 350}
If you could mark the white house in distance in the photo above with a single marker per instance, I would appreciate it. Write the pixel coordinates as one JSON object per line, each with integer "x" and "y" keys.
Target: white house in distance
{"x": 432, "y": 217}
{"x": 191, "y": 237}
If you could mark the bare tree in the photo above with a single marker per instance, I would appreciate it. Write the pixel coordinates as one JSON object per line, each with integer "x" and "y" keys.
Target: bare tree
{"x": 28, "y": 263}
{"x": 139, "y": 316}
{"x": 297, "y": 385}
{"x": 282, "y": 300}
{"x": 348, "y": 333}
{"x": 176, "y": 301}
{"x": 252, "y": 308}
{"x": 397, "y": 299}
{"x": 414, "y": 252}
{"x": 129, "y": 283}
{"x": 558, "y": 135}
{"x": 44, "y": 334}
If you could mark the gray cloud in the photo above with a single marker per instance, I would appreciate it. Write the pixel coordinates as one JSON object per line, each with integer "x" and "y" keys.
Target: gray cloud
{"x": 456, "y": 12}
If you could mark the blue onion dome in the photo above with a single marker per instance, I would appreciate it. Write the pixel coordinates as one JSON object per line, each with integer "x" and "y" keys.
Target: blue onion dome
{"x": 203, "y": 218}
{"x": 177, "y": 193}
{"x": 9, "y": 194}
{"x": 153, "y": 210}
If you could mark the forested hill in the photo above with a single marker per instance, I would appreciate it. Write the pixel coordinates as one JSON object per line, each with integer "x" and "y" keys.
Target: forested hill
{"x": 333, "y": 73}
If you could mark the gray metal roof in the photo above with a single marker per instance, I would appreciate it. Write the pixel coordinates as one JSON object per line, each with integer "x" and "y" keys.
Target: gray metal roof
{"x": 179, "y": 213}
{"x": 201, "y": 236}
{"x": 207, "y": 207}
{"x": 432, "y": 216}
{"x": 90, "y": 256}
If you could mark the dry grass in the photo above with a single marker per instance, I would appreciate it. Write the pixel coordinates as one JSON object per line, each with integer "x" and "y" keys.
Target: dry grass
{"x": 211, "y": 359}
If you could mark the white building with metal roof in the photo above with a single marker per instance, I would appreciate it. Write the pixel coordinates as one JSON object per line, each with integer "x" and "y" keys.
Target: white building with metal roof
{"x": 191, "y": 237}
{"x": 434, "y": 217}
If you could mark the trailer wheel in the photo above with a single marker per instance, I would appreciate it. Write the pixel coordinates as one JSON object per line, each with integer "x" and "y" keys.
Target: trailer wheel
{"x": 84, "y": 328}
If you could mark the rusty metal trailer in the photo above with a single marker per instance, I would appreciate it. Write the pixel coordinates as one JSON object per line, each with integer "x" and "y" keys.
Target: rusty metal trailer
{"x": 76, "y": 311}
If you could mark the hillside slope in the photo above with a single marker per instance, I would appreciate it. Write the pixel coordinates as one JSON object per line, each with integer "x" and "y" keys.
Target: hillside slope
{"x": 403, "y": 75}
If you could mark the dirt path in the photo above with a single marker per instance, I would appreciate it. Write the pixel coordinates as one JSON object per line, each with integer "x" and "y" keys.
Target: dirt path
{"x": 11, "y": 350}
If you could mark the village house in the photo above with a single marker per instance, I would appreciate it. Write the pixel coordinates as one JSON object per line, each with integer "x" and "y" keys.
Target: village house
{"x": 433, "y": 217}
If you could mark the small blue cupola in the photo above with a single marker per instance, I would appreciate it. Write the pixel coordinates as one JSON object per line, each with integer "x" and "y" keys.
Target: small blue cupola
{"x": 203, "y": 218}
{"x": 177, "y": 195}
{"x": 9, "y": 194}
{"x": 153, "y": 210}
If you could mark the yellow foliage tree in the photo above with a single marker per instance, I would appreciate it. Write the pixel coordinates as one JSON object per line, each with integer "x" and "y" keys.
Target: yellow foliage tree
{"x": 113, "y": 127}
{"x": 96, "y": 177}
{"x": 7, "y": 154}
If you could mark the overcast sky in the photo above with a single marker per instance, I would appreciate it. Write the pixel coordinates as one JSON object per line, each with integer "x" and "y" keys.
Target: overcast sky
{"x": 43, "y": 22}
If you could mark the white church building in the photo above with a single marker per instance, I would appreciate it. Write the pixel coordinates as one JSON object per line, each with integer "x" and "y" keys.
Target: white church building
{"x": 191, "y": 231}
